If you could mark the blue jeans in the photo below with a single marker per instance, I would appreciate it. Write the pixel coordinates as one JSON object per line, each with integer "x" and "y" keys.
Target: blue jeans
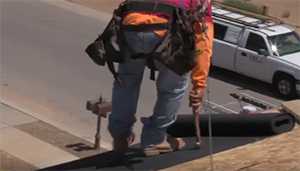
{"x": 170, "y": 92}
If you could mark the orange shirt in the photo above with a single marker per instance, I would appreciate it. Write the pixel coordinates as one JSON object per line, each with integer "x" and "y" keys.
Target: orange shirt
{"x": 136, "y": 18}
{"x": 203, "y": 43}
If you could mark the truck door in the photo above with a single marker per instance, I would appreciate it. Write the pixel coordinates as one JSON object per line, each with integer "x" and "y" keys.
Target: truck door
{"x": 225, "y": 45}
{"x": 252, "y": 56}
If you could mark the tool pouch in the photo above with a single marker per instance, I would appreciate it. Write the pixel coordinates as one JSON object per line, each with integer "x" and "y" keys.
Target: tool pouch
{"x": 96, "y": 52}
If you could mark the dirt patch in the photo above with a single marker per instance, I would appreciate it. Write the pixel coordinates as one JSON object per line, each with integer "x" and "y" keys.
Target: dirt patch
{"x": 288, "y": 11}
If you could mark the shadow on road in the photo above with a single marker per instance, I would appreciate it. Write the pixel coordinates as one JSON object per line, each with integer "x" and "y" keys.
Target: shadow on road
{"x": 134, "y": 159}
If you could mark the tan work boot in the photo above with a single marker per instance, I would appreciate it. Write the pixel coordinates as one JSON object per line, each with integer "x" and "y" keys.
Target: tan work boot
{"x": 157, "y": 149}
{"x": 176, "y": 143}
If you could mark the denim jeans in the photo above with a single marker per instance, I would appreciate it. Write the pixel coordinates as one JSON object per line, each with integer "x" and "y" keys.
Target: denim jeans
{"x": 170, "y": 92}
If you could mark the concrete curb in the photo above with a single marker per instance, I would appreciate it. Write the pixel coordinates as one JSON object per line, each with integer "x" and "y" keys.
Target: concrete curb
{"x": 35, "y": 110}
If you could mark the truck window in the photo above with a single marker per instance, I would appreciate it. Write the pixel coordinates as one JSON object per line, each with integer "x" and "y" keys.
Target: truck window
{"x": 256, "y": 42}
{"x": 285, "y": 44}
{"x": 220, "y": 31}
{"x": 233, "y": 34}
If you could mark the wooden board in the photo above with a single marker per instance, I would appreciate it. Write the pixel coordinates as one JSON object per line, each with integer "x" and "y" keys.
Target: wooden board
{"x": 279, "y": 153}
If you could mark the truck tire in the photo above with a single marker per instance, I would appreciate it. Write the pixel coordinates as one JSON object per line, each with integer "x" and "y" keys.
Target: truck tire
{"x": 285, "y": 86}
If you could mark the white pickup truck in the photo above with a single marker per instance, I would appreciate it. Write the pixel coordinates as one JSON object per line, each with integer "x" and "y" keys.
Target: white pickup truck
{"x": 259, "y": 49}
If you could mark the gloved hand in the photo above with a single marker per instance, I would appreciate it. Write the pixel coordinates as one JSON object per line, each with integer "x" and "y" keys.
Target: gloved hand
{"x": 196, "y": 99}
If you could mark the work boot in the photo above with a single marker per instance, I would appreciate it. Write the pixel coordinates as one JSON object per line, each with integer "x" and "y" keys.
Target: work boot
{"x": 121, "y": 143}
{"x": 157, "y": 149}
{"x": 176, "y": 143}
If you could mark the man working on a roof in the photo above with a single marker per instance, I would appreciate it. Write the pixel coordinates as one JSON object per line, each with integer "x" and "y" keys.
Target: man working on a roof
{"x": 171, "y": 87}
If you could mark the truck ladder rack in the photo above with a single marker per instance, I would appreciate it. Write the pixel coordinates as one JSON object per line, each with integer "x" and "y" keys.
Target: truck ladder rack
{"x": 242, "y": 17}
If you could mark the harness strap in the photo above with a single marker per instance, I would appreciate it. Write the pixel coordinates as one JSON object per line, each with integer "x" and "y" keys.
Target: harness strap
{"x": 151, "y": 66}
{"x": 147, "y": 6}
{"x": 145, "y": 27}
{"x": 113, "y": 71}
{"x": 152, "y": 74}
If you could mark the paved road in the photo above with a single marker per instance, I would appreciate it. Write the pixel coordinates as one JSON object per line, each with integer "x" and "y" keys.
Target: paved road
{"x": 45, "y": 72}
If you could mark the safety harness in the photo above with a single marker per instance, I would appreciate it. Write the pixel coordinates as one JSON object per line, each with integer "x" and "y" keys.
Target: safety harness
{"x": 176, "y": 50}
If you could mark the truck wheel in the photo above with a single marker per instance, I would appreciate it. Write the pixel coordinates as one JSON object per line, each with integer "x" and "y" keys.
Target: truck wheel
{"x": 285, "y": 86}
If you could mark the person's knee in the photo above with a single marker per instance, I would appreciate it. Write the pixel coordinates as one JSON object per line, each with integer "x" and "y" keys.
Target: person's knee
{"x": 130, "y": 79}
{"x": 172, "y": 86}
{"x": 171, "y": 92}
